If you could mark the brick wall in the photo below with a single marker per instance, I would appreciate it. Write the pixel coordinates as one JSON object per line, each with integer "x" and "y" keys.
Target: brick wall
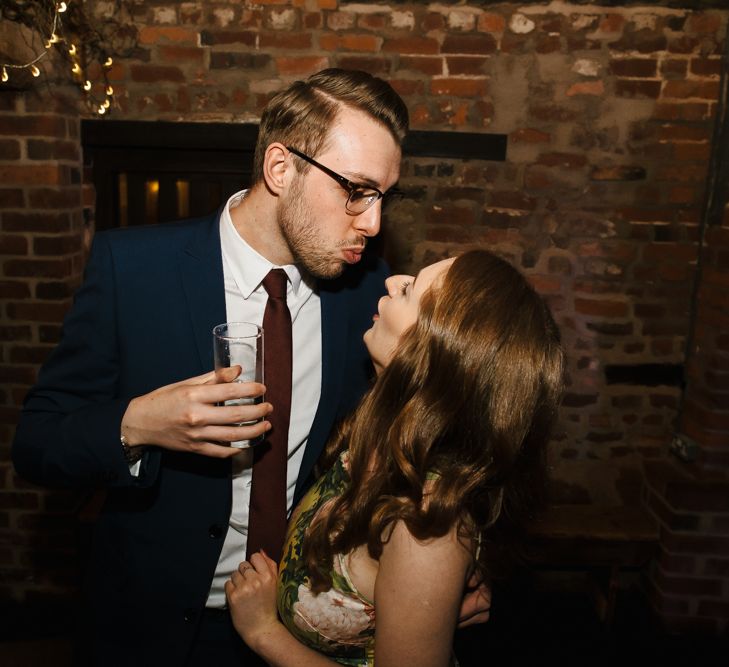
{"x": 609, "y": 114}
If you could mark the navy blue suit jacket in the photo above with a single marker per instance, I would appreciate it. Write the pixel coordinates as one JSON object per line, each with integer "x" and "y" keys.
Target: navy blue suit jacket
{"x": 143, "y": 319}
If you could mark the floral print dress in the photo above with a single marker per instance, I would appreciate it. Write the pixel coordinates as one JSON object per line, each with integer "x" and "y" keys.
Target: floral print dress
{"x": 340, "y": 622}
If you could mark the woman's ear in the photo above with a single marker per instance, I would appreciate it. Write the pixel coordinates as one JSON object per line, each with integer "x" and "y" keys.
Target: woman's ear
{"x": 275, "y": 166}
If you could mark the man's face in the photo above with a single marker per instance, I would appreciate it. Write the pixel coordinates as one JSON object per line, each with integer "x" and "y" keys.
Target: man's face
{"x": 322, "y": 235}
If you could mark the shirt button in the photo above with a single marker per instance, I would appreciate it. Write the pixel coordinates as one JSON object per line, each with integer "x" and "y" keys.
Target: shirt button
{"x": 190, "y": 615}
{"x": 215, "y": 531}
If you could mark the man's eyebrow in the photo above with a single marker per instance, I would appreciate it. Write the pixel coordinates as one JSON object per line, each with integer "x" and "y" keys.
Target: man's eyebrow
{"x": 360, "y": 179}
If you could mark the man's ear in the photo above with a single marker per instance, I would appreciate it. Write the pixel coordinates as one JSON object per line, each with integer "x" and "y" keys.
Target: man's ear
{"x": 275, "y": 167}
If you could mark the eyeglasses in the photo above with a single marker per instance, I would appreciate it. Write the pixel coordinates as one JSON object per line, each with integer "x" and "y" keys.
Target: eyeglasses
{"x": 361, "y": 197}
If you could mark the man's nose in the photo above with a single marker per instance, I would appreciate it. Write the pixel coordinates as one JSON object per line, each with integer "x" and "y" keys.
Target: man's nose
{"x": 367, "y": 223}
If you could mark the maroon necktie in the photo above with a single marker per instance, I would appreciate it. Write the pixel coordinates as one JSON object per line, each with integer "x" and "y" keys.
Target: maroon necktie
{"x": 267, "y": 516}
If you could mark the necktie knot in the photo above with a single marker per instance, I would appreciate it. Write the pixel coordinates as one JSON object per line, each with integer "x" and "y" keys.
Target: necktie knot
{"x": 275, "y": 283}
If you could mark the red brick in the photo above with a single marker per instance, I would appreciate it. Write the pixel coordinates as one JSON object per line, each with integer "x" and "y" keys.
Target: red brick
{"x": 29, "y": 354}
{"x": 634, "y": 67}
{"x": 618, "y": 173}
{"x": 371, "y": 64}
{"x": 473, "y": 44}
{"x": 411, "y": 45}
{"x": 238, "y": 60}
{"x": 466, "y": 65}
{"x": 548, "y": 44}
{"x": 686, "y": 89}
{"x": 545, "y": 284}
{"x": 716, "y": 566}
{"x": 674, "y": 66}
{"x": 491, "y": 23}
{"x": 9, "y": 149}
{"x": 297, "y": 40}
{"x": 348, "y": 42}
{"x": 433, "y": 21}
{"x": 694, "y": 586}
{"x": 10, "y": 289}
{"x": 40, "y": 149}
{"x": 678, "y": 564}
{"x": 12, "y": 244}
{"x": 156, "y": 73}
{"x": 698, "y": 152}
{"x": 15, "y": 333}
{"x": 681, "y": 111}
{"x": 16, "y": 500}
{"x": 512, "y": 200}
{"x": 312, "y": 20}
{"x": 11, "y": 198}
{"x": 407, "y": 87}
{"x": 451, "y": 215}
{"x": 175, "y": 54}
{"x": 57, "y": 245}
{"x": 28, "y": 268}
{"x": 372, "y": 21}
{"x": 37, "y": 312}
{"x": 54, "y": 198}
{"x": 40, "y": 174}
{"x": 459, "y": 87}
{"x": 529, "y": 136}
{"x": 563, "y": 160}
{"x": 156, "y": 34}
{"x": 31, "y": 125}
{"x": 704, "y": 23}
{"x": 672, "y": 252}
{"x": 430, "y": 65}
{"x": 36, "y": 222}
{"x": 601, "y": 307}
{"x": 707, "y": 67}
{"x": 303, "y": 65}
{"x": 228, "y": 37}
{"x": 637, "y": 88}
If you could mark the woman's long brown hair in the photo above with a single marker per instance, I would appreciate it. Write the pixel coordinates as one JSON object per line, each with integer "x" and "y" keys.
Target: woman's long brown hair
{"x": 470, "y": 395}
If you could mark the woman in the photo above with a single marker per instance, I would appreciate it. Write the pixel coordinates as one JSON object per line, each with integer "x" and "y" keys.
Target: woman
{"x": 428, "y": 480}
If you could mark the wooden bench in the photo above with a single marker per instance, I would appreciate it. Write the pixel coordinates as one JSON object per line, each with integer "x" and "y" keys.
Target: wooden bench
{"x": 598, "y": 539}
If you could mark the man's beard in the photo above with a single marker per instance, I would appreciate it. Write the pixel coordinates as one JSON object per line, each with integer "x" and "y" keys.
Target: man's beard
{"x": 309, "y": 249}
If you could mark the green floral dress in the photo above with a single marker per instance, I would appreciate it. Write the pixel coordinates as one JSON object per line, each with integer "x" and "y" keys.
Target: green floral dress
{"x": 340, "y": 622}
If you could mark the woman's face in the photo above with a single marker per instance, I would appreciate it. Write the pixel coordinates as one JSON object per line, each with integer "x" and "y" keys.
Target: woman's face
{"x": 398, "y": 311}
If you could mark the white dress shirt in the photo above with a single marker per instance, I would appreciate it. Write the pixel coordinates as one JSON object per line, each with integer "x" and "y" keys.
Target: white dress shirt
{"x": 245, "y": 301}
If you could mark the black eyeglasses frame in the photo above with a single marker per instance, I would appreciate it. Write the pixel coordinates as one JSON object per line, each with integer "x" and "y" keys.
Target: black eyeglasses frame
{"x": 349, "y": 187}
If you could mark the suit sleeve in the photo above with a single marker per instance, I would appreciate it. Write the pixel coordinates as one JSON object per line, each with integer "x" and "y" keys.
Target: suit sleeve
{"x": 69, "y": 428}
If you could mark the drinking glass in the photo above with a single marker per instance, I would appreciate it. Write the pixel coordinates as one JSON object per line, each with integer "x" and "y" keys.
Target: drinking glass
{"x": 241, "y": 344}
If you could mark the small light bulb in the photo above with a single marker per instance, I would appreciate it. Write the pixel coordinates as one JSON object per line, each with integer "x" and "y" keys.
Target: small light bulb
{"x": 34, "y": 71}
{"x": 62, "y": 7}
{"x": 87, "y": 85}
{"x": 108, "y": 62}
{"x": 102, "y": 111}
{"x": 76, "y": 69}
{"x": 55, "y": 38}
{"x": 72, "y": 50}
{"x": 47, "y": 43}
{"x": 109, "y": 90}
{"x": 5, "y": 75}
{"x": 106, "y": 104}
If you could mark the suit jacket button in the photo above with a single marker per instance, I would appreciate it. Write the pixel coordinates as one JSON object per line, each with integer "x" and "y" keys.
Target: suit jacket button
{"x": 190, "y": 615}
{"x": 215, "y": 531}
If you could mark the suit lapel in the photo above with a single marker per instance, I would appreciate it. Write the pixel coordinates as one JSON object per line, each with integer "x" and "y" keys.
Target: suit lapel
{"x": 201, "y": 272}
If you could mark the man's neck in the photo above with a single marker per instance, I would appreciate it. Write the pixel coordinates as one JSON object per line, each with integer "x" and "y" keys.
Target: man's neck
{"x": 256, "y": 221}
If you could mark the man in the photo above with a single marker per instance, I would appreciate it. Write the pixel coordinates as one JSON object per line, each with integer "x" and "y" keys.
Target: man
{"x": 127, "y": 400}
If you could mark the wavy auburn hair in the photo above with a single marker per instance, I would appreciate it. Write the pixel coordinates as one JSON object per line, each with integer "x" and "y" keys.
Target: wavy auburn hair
{"x": 470, "y": 395}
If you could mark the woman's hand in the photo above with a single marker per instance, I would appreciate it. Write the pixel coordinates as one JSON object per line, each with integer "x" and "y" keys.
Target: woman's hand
{"x": 251, "y": 593}
{"x": 476, "y": 604}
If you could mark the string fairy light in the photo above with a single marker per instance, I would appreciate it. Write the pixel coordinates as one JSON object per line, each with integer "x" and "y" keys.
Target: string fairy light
{"x": 80, "y": 51}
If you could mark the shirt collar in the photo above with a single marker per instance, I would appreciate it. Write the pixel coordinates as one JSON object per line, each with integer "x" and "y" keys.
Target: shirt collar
{"x": 249, "y": 267}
